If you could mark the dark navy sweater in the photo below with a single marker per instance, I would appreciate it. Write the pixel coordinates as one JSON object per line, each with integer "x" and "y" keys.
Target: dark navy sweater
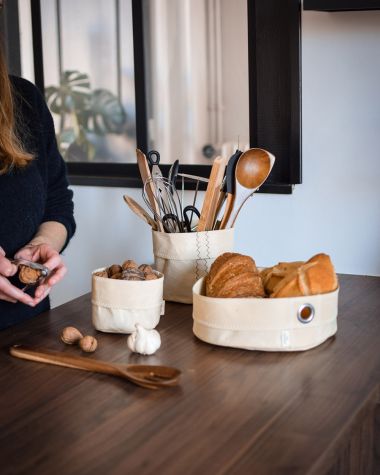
{"x": 34, "y": 194}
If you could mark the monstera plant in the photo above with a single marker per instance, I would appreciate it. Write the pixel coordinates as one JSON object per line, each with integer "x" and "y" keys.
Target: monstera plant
{"x": 83, "y": 113}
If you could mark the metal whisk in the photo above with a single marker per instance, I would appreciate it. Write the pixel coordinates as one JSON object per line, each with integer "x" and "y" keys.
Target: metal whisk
{"x": 168, "y": 203}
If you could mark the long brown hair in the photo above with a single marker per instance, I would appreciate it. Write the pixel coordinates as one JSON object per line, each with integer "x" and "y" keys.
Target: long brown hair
{"x": 12, "y": 153}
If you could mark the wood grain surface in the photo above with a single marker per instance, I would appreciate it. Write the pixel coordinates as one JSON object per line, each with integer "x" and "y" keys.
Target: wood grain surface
{"x": 236, "y": 411}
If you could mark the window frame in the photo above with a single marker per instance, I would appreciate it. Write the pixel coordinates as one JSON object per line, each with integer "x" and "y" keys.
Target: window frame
{"x": 274, "y": 31}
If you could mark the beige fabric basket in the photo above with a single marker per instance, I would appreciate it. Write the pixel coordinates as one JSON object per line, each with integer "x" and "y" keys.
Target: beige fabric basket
{"x": 117, "y": 305}
{"x": 183, "y": 258}
{"x": 283, "y": 324}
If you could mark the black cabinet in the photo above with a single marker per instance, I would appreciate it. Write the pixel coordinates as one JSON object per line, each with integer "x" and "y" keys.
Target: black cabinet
{"x": 341, "y": 5}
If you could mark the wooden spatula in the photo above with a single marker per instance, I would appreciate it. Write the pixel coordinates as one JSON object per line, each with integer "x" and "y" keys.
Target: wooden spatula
{"x": 145, "y": 174}
{"x": 206, "y": 221}
{"x": 140, "y": 212}
{"x": 147, "y": 376}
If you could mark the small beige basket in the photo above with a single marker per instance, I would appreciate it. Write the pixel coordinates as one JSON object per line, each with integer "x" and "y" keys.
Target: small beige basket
{"x": 184, "y": 258}
{"x": 118, "y": 305}
{"x": 277, "y": 324}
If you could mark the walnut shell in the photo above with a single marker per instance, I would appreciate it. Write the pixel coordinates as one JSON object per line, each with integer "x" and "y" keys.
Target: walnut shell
{"x": 118, "y": 275}
{"x": 27, "y": 275}
{"x": 129, "y": 264}
{"x": 114, "y": 269}
{"x": 71, "y": 335}
{"x": 88, "y": 344}
{"x": 150, "y": 276}
{"x": 101, "y": 273}
{"x": 147, "y": 269}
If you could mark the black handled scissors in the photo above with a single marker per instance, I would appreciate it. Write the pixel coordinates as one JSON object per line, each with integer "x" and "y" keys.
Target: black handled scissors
{"x": 154, "y": 160}
{"x": 188, "y": 221}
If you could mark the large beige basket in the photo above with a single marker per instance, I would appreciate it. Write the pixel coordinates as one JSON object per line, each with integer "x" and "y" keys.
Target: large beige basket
{"x": 278, "y": 324}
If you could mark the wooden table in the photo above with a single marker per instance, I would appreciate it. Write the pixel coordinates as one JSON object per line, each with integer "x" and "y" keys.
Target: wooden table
{"x": 235, "y": 411}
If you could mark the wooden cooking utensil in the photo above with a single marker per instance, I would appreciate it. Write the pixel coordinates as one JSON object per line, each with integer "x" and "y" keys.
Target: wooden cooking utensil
{"x": 206, "y": 221}
{"x": 145, "y": 176}
{"x": 229, "y": 188}
{"x": 147, "y": 376}
{"x": 140, "y": 212}
{"x": 252, "y": 169}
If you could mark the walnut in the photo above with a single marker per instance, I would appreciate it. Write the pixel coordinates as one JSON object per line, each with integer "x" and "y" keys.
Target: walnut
{"x": 27, "y": 275}
{"x": 101, "y": 273}
{"x": 88, "y": 344}
{"x": 129, "y": 264}
{"x": 71, "y": 335}
{"x": 118, "y": 275}
{"x": 114, "y": 269}
{"x": 150, "y": 276}
{"x": 146, "y": 268}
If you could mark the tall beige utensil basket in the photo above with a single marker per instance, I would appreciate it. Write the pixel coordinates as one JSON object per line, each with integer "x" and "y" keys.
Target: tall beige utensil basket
{"x": 267, "y": 324}
{"x": 183, "y": 258}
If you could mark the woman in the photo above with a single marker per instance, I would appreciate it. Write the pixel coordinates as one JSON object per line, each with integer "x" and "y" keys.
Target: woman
{"x": 36, "y": 207}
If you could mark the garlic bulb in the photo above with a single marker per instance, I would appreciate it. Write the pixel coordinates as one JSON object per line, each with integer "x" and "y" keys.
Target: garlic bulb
{"x": 143, "y": 341}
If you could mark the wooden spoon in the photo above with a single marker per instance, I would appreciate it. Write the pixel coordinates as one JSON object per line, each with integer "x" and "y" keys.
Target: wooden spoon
{"x": 140, "y": 212}
{"x": 252, "y": 169}
{"x": 147, "y": 376}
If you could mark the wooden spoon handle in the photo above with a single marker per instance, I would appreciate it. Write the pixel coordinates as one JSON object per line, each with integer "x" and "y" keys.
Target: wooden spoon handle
{"x": 210, "y": 202}
{"x": 63, "y": 359}
{"x": 227, "y": 210}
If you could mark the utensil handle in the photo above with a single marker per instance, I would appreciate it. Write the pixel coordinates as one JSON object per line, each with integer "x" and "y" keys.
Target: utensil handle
{"x": 62, "y": 359}
{"x": 145, "y": 176}
{"x": 210, "y": 202}
{"x": 237, "y": 205}
{"x": 227, "y": 210}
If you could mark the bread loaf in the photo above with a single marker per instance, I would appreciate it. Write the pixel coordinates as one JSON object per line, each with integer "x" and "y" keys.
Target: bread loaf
{"x": 316, "y": 276}
{"x": 234, "y": 275}
{"x": 271, "y": 276}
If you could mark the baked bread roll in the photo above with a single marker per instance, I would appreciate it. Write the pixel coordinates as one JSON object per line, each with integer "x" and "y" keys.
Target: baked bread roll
{"x": 316, "y": 276}
{"x": 271, "y": 276}
{"x": 234, "y": 275}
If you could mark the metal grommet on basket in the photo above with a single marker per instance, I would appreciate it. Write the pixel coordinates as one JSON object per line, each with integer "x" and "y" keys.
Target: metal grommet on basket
{"x": 306, "y": 313}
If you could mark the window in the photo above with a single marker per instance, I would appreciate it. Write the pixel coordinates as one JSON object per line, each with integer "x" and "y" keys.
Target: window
{"x": 97, "y": 61}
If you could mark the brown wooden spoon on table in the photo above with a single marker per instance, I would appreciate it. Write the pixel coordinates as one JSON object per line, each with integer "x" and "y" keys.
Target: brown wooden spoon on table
{"x": 146, "y": 376}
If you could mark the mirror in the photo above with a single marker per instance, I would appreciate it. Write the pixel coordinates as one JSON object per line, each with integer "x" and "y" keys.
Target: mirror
{"x": 196, "y": 78}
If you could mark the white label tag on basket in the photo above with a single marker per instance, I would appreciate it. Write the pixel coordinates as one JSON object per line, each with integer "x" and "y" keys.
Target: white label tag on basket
{"x": 285, "y": 338}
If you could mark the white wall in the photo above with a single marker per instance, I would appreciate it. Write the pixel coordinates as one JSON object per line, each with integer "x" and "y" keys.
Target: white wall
{"x": 336, "y": 209}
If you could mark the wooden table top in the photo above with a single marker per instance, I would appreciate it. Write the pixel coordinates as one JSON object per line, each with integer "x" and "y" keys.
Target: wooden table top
{"x": 235, "y": 411}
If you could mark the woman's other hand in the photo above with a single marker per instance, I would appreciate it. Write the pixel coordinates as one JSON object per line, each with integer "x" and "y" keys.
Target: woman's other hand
{"x": 46, "y": 255}
{"x": 9, "y": 292}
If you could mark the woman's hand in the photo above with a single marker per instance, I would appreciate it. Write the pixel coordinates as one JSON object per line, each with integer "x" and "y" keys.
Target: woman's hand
{"x": 46, "y": 255}
{"x": 9, "y": 292}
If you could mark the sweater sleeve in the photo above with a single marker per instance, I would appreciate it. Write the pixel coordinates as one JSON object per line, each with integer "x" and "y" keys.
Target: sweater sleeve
{"x": 59, "y": 201}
